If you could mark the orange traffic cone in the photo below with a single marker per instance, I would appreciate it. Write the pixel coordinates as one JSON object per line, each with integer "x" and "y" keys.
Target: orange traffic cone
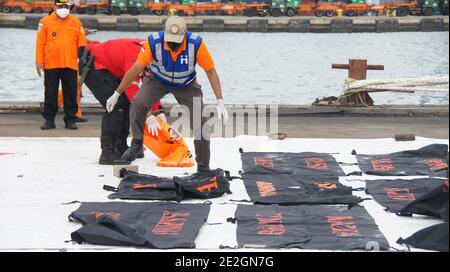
{"x": 169, "y": 146}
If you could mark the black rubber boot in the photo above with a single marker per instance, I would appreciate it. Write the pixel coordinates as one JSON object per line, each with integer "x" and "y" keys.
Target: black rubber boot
{"x": 141, "y": 155}
{"x": 121, "y": 146}
{"x": 109, "y": 155}
{"x": 48, "y": 125}
{"x": 71, "y": 125}
{"x": 80, "y": 120}
{"x": 203, "y": 169}
{"x": 134, "y": 150}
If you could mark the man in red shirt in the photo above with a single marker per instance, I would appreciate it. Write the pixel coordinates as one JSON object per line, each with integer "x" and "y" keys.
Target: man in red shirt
{"x": 111, "y": 61}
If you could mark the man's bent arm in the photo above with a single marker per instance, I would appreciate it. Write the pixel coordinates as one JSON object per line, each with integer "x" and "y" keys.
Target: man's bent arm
{"x": 129, "y": 77}
{"x": 213, "y": 78}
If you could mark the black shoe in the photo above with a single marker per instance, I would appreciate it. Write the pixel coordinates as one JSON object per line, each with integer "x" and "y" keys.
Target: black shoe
{"x": 121, "y": 147}
{"x": 48, "y": 125}
{"x": 140, "y": 155}
{"x": 132, "y": 152}
{"x": 71, "y": 125}
{"x": 80, "y": 120}
{"x": 202, "y": 169}
{"x": 109, "y": 157}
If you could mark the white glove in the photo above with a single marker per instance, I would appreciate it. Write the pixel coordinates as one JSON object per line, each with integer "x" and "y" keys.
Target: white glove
{"x": 162, "y": 116}
{"x": 153, "y": 125}
{"x": 112, "y": 101}
{"x": 222, "y": 111}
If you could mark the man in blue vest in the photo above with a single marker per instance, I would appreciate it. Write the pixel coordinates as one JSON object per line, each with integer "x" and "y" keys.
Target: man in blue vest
{"x": 170, "y": 58}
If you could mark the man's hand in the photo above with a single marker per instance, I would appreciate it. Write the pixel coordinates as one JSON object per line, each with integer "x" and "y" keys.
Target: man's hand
{"x": 222, "y": 111}
{"x": 40, "y": 69}
{"x": 112, "y": 101}
{"x": 162, "y": 116}
{"x": 153, "y": 125}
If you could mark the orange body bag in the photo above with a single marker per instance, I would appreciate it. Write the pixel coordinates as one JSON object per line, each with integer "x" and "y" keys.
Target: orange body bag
{"x": 169, "y": 146}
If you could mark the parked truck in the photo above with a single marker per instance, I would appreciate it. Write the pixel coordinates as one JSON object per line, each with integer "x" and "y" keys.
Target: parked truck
{"x": 285, "y": 7}
{"x": 273, "y": 8}
{"x": 20, "y": 6}
{"x": 133, "y": 7}
{"x": 91, "y": 7}
{"x": 419, "y": 7}
{"x": 327, "y": 8}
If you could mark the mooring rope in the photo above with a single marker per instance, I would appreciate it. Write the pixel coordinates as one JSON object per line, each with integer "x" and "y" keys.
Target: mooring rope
{"x": 422, "y": 84}
{"x": 403, "y": 85}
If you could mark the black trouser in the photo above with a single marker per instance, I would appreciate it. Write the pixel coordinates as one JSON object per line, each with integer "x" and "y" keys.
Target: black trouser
{"x": 69, "y": 81}
{"x": 116, "y": 124}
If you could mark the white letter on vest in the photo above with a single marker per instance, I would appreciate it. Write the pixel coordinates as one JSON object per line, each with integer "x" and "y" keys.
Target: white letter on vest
{"x": 184, "y": 59}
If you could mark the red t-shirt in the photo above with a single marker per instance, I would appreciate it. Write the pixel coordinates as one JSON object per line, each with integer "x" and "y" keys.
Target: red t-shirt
{"x": 117, "y": 56}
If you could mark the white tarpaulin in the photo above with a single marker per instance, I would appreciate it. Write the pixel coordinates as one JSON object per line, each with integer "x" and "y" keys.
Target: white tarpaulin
{"x": 38, "y": 174}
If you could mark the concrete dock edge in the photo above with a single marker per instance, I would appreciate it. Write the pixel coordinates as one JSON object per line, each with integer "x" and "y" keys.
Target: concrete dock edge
{"x": 320, "y": 25}
{"x": 214, "y": 25}
{"x": 127, "y": 24}
{"x": 90, "y": 23}
{"x": 300, "y": 24}
{"x": 150, "y": 24}
{"x": 342, "y": 25}
{"x": 32, "y": 22}
{"x": 432, "y": 24}
{"x": 386, "y": 25}
{"x": 283, "y": 110}
{"x": 257, "y": 25}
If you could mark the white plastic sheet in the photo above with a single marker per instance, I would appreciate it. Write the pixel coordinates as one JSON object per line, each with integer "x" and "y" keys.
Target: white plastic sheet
{"x": 38, "y": 174}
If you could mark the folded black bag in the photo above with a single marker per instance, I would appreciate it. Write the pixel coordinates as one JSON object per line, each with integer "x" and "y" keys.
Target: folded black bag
{"x": 142, "y": 187}
{"x": 203, "y": 185}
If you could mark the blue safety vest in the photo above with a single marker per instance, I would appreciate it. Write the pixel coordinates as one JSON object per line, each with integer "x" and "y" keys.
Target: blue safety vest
{"x": 180, "y": 73}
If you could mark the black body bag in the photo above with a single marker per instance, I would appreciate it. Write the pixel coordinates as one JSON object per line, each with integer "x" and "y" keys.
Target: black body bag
{"x": 297, "y": 190}
{"x": 303, "y": 164}
{"x": 428, "y": 196}
{"x": 431, "y": 160}
{"x": 160, "y": 225}
{"x": 431, "y": 238}
{"x": 308, "y": 227}
{"x": 142, "y": 187}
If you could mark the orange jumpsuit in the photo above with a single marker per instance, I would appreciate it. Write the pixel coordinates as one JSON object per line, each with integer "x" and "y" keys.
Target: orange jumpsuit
{"x": 57, "y": 43}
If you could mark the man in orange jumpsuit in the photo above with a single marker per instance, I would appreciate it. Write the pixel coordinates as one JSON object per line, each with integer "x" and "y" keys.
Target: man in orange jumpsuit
{"x": 58, "y": 38}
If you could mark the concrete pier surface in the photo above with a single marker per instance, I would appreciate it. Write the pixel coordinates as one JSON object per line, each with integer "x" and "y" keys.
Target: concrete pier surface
{"x": 297, "y": 24}
{"x": 296, "y": 121}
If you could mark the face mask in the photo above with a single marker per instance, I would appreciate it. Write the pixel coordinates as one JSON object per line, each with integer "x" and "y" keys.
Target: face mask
{"x": 173, "y": 46}
{"x": 63, "y": 12}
